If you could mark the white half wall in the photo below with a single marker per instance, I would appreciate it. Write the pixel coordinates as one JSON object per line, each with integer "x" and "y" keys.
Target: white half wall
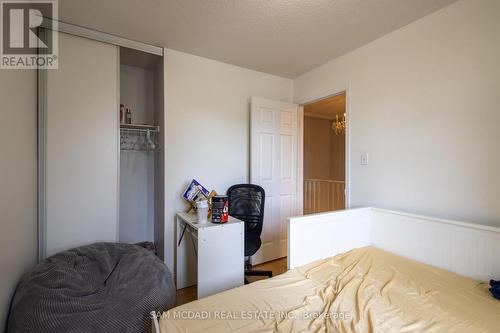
{"x": 425, "y": 105}
{"x": 207, "y": 126}
{"x": 18, "y": 230}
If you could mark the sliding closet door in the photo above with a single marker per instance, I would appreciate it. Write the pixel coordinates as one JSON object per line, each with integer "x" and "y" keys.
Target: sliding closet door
{"x": 81, "y": 152}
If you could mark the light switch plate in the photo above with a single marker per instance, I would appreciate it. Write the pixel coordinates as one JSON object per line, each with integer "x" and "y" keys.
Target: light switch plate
{"x": 364, "y": 158}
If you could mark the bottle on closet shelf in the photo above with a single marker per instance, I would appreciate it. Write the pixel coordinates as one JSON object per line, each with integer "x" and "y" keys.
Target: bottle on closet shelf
{"x": 128, "y": 117}
{"x": 122, "y": 113}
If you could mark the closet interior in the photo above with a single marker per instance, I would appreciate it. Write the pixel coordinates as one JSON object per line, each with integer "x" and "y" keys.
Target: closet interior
{"x": 141, "y": 179}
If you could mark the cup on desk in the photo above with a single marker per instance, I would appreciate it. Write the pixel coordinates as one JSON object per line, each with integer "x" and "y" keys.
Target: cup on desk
{"x": 202, "y": 207}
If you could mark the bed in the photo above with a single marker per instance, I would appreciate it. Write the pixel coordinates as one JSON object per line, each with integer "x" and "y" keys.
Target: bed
{"x": 364, "y": 270}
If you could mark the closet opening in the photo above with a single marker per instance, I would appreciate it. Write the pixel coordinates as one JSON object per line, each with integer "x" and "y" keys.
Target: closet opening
{"x": 141, "y": 165}
{"x": 325, "y": 126}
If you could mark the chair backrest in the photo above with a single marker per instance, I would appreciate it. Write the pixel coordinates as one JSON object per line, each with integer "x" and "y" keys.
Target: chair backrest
{"x": 246, "y": 202}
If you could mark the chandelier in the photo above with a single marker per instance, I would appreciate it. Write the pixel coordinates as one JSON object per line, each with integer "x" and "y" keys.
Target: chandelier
{"x": 339, "y": 125}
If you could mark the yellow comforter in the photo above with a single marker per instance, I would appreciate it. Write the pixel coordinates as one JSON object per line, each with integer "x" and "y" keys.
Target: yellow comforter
{"x": 364, "y": 290}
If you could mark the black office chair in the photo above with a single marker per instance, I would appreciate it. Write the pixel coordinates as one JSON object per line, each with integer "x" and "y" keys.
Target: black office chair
{"x": 246, "y": 202}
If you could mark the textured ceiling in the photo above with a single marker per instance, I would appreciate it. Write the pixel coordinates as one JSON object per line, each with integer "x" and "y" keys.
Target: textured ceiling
{"x": 282, "y": 37}
{"x": 326, "y": 108}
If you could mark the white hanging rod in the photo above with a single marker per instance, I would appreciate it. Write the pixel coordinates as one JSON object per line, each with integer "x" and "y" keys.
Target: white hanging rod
{"x": 140, "y": 128}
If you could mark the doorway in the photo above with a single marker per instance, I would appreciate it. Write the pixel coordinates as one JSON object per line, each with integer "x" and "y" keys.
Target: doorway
{"x": 324, "y": 167}
{"x": 278, "y": 150}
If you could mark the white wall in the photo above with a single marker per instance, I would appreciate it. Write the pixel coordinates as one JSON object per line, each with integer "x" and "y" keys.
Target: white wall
{"x": 425, "y": 104}
{"x": 18, "y": 240}
{"x": 207, "y": 126}
{"x": 137, "y": 90}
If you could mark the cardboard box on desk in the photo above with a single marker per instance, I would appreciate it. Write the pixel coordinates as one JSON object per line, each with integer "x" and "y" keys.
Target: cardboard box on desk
{"x": 195, "y": 192}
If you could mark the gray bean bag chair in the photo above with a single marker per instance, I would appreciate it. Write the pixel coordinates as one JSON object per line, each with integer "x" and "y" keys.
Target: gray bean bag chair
{"x": 103, "y": 287}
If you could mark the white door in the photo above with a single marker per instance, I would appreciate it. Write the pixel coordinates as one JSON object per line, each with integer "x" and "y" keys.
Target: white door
{"x": 82, "y": 145}
{"x": 274, "y": 156}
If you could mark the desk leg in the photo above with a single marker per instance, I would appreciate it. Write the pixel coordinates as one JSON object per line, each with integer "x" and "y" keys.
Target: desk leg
{"x": 185, "y": 268}
{"x": 182, "y": 234}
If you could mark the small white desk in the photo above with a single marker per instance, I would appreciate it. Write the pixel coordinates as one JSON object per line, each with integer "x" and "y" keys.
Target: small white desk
{"x": 209, "y": 255}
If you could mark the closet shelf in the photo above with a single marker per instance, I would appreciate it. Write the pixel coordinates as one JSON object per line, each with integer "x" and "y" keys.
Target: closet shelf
{"x": 140, "y": 127}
